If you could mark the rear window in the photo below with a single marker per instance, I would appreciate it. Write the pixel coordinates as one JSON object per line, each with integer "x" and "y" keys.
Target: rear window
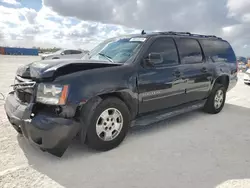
{"x": 218, "y": 51}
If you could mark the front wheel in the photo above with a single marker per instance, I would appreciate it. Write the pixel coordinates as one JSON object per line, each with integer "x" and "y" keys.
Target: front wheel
{"x": 108, "y": 125}
{"x": 216, "y": 99}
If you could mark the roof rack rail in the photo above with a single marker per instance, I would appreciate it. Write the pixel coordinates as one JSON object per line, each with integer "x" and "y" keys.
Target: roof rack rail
{"x": 175, "y": 33}
{"x": 189, "y": 34}
{"x": 179, "y": 33}
{"x": 205, "y": 36}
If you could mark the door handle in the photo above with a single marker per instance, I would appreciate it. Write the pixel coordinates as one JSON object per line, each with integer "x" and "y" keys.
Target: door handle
{"x": 204, "y": 69}
{"x": 177, "y": 73}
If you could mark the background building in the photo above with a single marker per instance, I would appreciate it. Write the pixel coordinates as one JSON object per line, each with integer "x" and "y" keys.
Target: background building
{"x": 18, "y": 51}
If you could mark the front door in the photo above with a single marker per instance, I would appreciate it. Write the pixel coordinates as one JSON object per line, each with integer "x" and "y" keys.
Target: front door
{"x": 196, "y": 71}
{"x": 161, "y": 86}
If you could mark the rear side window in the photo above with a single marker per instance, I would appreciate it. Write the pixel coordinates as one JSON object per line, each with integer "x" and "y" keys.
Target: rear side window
{"x": 218, "y": 51}
{"x": 166, "y": 47}
{"x": 75, "y": 52}
{"x": 189, "y": 50}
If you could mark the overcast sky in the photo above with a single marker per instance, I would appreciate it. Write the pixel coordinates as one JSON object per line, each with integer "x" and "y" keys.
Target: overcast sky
{"x": 84, "y": 23}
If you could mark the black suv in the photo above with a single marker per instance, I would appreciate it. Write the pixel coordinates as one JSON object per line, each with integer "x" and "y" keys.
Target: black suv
{"x": 124, "y": 81}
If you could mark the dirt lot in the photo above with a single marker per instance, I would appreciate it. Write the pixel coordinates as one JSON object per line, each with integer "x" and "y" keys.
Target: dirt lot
{"x": 192, "y": 150}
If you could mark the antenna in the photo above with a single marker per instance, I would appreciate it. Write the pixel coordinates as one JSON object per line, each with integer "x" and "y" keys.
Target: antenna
{"x": 143, "y": 32}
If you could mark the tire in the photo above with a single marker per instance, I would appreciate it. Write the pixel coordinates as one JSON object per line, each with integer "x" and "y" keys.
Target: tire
{"x": 210, "y": 106}
{"x": 121, "y": 110}
{"x": 55, "y": 58}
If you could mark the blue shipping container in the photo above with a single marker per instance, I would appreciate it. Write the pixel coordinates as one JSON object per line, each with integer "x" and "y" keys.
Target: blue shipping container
{"x": 20, "y": 51}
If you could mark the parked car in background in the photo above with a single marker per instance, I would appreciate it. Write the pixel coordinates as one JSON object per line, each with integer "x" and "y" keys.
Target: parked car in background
{"x": 248, "y": 63}
{"x": 247, "y": 77}
{"x": 64, "y": 54}
{"x": 242, "y": 66}
{"x": 242, "y": 63}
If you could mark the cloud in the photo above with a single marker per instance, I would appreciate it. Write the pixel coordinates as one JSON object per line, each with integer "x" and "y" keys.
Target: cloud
{"x": 29, "y": 14}
{"x": 148, "y": 14}
{"x": 238, "y": 8}
{"x": 84, "y": 23}
{"x": 11, "y": 2}
{"x": 1, "y": 36}
{"x": 200, "y": 16}
{"x": 11, "y": 14}
{"x": 28, "y": 27}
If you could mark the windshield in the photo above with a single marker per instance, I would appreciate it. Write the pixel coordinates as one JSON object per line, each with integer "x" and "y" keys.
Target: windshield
{"x": 117, "y": 50}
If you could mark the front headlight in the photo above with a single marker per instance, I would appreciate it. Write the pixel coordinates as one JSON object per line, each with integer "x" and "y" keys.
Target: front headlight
{"x": 52, "y": 94}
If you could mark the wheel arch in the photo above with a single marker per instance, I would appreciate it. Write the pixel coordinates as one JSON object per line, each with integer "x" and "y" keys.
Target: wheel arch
{"x": 222, "y": 79}
{"x": 127, "y": 98}
{"x": 129, "y": 101}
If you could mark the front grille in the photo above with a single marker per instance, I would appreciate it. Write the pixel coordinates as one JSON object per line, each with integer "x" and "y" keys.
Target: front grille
{"x": 24, "y": 89}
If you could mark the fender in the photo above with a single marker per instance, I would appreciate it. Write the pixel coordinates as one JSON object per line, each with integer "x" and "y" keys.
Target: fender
{"x": 217, "y": 80}
{"x": 119, "y": 81}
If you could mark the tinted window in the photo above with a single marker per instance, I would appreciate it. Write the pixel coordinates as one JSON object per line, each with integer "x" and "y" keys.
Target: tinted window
{"x": 67, "y": 52}
{"x": 190, "y": 51}
{"x": 75, "y": 52}
{"x": 166, "y": 47}
{"x": 218, "y": 50}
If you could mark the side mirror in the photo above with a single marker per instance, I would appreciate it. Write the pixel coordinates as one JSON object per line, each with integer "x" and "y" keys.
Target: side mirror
{"x": 154, "y": 59}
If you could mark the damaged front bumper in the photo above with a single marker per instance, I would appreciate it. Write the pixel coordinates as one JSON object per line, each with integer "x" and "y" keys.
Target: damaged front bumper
{"x": 49, "y": 132}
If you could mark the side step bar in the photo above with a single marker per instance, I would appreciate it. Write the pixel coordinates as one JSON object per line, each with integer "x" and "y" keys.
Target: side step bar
{"x": 168, "y": 113}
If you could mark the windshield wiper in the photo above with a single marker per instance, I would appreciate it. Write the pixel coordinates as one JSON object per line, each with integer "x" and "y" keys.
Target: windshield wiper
{"x": 107, "y": 57}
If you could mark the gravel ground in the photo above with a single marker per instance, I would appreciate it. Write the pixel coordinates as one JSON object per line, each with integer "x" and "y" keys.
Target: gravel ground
{"x": 192, "y": 150}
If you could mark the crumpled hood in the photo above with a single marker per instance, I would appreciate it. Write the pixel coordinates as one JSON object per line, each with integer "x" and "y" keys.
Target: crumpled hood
{"x": 53, "y": 68}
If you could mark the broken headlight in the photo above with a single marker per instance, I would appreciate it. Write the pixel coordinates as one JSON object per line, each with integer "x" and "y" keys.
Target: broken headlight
{"x": 52, "y": 94}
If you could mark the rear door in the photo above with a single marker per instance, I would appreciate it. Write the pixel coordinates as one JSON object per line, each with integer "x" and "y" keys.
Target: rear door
{"x": 161, "y": 86}
{"x": 196, "y": 72}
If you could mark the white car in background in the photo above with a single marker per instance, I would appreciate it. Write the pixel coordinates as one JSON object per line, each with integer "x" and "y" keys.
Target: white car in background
{"x": 64, "y": 54}
{"x": 247, "y": 77}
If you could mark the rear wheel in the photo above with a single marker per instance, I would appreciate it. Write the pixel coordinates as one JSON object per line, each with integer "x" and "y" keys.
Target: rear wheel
{"x": 109, "y": 124}
{"x": 216, "y": 99}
